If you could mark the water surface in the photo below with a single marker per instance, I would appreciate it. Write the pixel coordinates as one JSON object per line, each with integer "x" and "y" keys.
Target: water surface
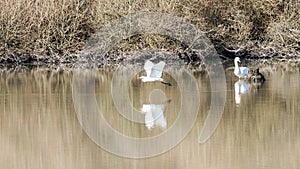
{"x": 259, "y": 128}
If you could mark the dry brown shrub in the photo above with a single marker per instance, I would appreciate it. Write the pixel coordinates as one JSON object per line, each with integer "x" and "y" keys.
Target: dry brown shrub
{"x": 59, "y": 28}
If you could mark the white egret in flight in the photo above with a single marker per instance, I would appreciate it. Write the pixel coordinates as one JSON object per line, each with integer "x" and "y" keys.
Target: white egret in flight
{"x": 154, "y": 72}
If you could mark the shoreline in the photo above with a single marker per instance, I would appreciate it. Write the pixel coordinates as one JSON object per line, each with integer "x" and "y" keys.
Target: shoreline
{"x": 112, "y": 61}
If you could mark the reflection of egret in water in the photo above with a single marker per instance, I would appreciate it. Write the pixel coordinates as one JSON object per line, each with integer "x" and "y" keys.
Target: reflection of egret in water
{"x": 154, "y": 115}
{"x": 154, "y": 112}
{"x": 154, "y": 72}
{"x": 240, "y": 87}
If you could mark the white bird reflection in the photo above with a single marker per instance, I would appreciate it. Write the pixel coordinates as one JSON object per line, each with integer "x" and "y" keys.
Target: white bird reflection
{"x": 240, "y": 87}
{"x": 154, "y": 115}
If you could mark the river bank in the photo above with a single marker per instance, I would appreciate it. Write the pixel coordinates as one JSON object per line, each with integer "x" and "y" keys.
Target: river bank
{"x": 51, "y": 32}
{"x": 111, "y": 61}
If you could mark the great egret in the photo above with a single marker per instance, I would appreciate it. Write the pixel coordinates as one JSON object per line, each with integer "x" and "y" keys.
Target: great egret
{"x": 240, "y": 72}
{"x": 154, "y": 72}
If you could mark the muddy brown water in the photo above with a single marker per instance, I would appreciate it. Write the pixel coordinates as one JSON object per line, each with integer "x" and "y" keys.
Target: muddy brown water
{"x": 39, "y": 128}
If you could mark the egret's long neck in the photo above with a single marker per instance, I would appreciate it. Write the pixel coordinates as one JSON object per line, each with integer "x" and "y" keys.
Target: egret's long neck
{"x": 236, "y": 64}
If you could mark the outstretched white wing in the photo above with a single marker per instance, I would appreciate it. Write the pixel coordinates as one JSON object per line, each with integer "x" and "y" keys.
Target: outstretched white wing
{"x": 157, "y": 69}
{"x": 148, "y": 67}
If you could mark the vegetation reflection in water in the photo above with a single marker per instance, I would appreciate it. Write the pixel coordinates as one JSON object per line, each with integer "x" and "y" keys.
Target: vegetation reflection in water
{"x": 39, "y": 127}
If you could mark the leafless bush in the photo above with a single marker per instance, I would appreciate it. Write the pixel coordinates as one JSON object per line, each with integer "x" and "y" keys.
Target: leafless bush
{"x": 59, "y": 28}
